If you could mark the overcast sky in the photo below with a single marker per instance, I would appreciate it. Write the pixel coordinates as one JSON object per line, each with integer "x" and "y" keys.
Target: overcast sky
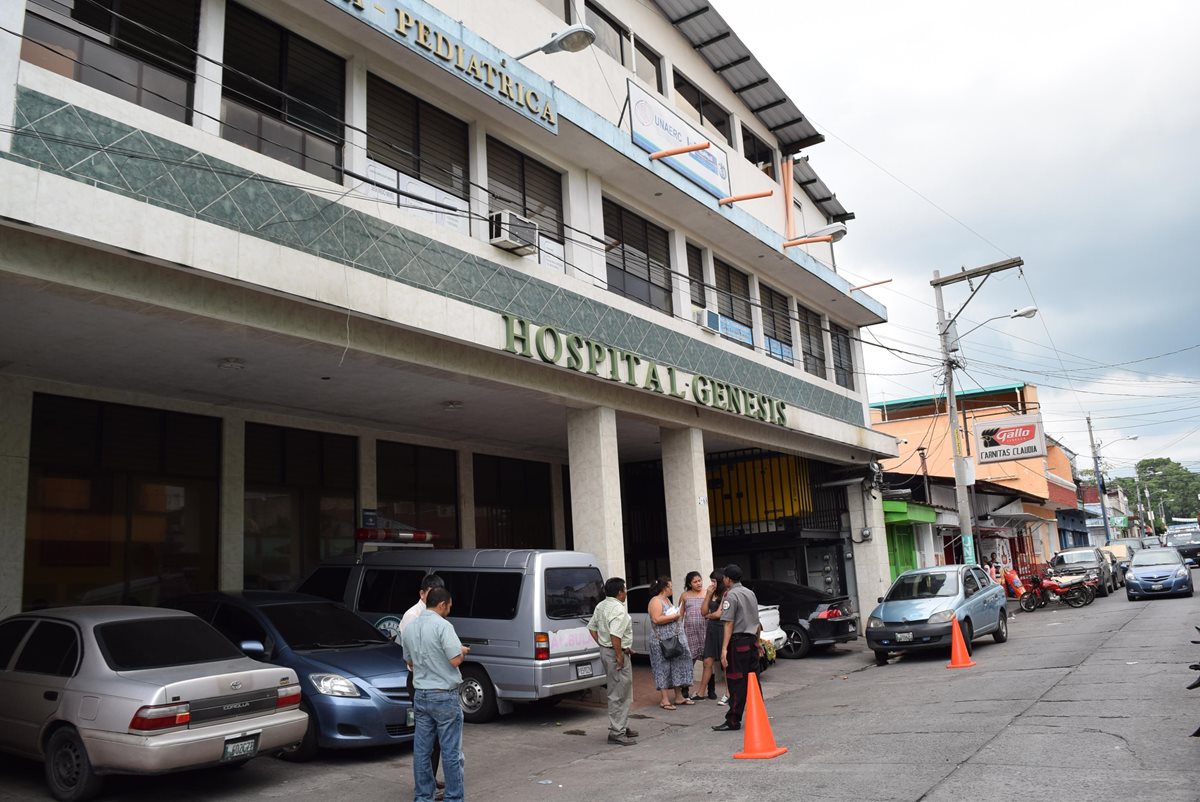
{"x": 1065, "y": 133}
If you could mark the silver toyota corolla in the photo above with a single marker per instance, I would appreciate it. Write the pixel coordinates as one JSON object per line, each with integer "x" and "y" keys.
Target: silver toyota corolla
{"x": 103, "y": 690}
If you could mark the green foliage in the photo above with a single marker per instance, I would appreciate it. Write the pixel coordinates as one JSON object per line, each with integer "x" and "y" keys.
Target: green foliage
{"x": 1168, "y": 481}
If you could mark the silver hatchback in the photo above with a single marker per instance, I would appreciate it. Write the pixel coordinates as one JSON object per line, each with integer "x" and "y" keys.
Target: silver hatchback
{"x": 104, "y": 690}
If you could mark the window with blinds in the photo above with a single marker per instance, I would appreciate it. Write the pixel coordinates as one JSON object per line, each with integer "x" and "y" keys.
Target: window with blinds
{"x": 777, "y": 325}
{"x": 282, "y": 95}
{"x": 416, "y": 138}
{"x": 812, "y": 341}
{"x": 526, "y": 186}
{"x": 843, "y": 356}
{"x": 733, "y": 301}
{"x": 638, "y": 257}
{"x": 695, "y": 259}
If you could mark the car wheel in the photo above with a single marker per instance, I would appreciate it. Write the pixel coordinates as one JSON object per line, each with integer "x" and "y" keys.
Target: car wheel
{"x": 477, "y": 695}
{"x": 881, "y": 657}
{"x": 968, "y": 633}
{"x": 798, "y": 642}
{"x": 69, "y": 772}
{"x": 1102, "y": 590}
{"x": 308, "y": 747}
{"x": 1001, "y": 633}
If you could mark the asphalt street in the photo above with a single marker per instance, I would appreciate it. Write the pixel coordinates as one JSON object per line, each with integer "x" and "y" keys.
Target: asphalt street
{"x": 1079, "y": 704}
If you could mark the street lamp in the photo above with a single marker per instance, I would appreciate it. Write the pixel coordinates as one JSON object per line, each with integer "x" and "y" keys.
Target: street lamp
{"x": 572, "y": 40}
{"x": 947, "y": 338}
{"x": 1028, "y": 311}
{"x": 1100, "y": 490}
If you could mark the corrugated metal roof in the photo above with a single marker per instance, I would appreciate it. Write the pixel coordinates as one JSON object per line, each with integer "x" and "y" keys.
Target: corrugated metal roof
{"x": 921, "y": 400}
{"x": 729, "y": 57}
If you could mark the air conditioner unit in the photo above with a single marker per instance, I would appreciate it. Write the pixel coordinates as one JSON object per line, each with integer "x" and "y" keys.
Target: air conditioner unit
{"x": 512, "y": 232}
{"x": 708, "y": 319}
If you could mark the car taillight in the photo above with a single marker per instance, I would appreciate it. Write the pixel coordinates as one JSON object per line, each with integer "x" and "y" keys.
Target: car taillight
{"x": 830, "y": 612}
{"x": 287, "y": 696}
{"x": 541, "y": 646}
{"x": 160, "y": 717}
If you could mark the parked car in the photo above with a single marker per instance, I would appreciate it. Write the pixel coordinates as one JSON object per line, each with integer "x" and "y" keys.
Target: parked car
{"x": 810, "y": 617}
{"x": 638, "y": 602}
{"x": 917, "y": 611}
{"x": 1086, "y": 560}
{"x": 352, "y": 677}
{"x": 130, "y": 690}
{"x": 1158, "y": 572}
{"x": 1134, "y": 543}
{"x": 1119, "y": 555}
{"x": 1186, "y": 543}
{"x": 1151, "y": 542}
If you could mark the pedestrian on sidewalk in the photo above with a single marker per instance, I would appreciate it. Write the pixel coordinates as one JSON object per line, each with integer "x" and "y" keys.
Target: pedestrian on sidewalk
{"x": 434, "y": 654}
{"x": 714, "y": 633}
{"x": 739, "y": 652}
{"x": 612, "y": 628}
{"x": 692, "y": 602}
{"x": 671, "y": 674}
{"x": 428, "y": 583}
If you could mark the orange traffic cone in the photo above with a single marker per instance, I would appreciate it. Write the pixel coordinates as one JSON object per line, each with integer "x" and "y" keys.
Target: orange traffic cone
{"x": 959, "y": 657}
{"x": 759, "y": 742}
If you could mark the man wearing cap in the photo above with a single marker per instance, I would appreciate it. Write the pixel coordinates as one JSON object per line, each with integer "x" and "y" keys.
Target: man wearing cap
{"x": 612, "y": 628}
{"x": 739, "y": 648}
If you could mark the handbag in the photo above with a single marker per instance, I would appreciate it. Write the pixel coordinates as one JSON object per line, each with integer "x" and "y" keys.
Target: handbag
{"x": 670, "y": 647}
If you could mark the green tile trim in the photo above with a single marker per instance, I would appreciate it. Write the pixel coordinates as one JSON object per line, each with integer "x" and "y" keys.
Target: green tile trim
{"x": 66, "y": 140}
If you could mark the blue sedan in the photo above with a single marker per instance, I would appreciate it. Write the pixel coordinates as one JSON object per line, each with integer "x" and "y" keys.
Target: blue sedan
{"x": 1158, "y": 572}
{"x": 918, "y": 609}
{"x": 353, "y": 679}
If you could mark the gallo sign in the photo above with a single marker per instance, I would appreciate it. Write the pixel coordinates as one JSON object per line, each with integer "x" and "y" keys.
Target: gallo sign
{"x": 1004, "y": 439}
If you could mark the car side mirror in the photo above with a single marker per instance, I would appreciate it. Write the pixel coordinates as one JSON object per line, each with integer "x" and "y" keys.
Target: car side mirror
{"x": 879, "y": 600}
{"x": 253, "y": 649}
{"x": 1189, "y": 562}
{"x": 1124, "y": 564}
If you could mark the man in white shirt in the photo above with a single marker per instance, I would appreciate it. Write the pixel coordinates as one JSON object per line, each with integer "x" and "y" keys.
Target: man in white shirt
{"x": 428, "y": 583}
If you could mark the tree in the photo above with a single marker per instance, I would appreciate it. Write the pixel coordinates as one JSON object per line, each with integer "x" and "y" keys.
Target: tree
{"x": 1168, "y": 481}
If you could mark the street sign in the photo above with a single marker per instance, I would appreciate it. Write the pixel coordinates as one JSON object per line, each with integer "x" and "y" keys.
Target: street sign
{"x": 1005, "y": 439}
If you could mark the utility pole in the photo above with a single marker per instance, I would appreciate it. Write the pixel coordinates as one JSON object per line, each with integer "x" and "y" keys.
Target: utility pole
{"x": 1099, "y": 480}
{"x": 1137, "y": 486}
{"x": 948, "y": 338}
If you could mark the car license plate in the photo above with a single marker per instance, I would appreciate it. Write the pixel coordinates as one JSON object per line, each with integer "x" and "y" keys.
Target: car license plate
{"x": 903, "y": 636}
{"x": 1156, "y": 587}
{"x": 239, "y": 748}
{"x": 410, "y": 718}
{"x": 583, "y": 670}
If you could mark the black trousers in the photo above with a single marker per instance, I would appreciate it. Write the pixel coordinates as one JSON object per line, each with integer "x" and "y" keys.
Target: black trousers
{"x": 743, "y": 660}
{"x": 436, "y": 756}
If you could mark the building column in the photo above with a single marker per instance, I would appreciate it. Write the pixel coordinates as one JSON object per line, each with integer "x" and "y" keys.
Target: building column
{"x": 232, "y": 566}
{"x": 16, "y": 418}
{"x": 466, "y": 499}
{"x": 757, "y": 335}
{"x": 870, "y": 563}
{"x": 583, "y": 203}
{"x": 681, "y": 288}
{"x": 210, "y": 47}
{"x": 368, "y": 476}
{"x": 596, "y": 487}
{"x": 689, "y": 537}
{"x": 354, "y": 154}
{"x": 12, "y": 18}
{"x": 558, "y": 506}
{"x": 480, "y": 201}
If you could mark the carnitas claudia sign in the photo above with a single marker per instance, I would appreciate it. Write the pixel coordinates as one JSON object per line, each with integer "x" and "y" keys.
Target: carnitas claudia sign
{"x": 1004, "y": 439}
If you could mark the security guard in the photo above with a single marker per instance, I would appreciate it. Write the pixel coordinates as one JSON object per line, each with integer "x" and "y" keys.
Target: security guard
{"x": 739, "y": 647}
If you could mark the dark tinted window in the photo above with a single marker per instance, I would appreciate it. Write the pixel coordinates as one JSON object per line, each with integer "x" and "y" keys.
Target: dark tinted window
{"x": 843, "y": 356}
{"x": 416, "y": 138}
{"x": 158, "y": 642}
{"x": 970, "y": 583}
{"x": 637, "y": 600}
{"x": 512, "y": 504}
{"x": 310, "y": 625}
{"x": 496, "y": 596}
{"x": 526, "y": 186}
{"x": 418, "y": 486}
{"x": 238, "y": 625}
{"x": 695, "y": 260}
{"x": 329, "y": 583}
{"x": 52, "y": 649}
{"x": 10, "y": 635}
{"x": 573, "y": 592}
{"x": 638, "y": 257}
{"x": 812, "y": 341}
{"x": 386, "y": 590}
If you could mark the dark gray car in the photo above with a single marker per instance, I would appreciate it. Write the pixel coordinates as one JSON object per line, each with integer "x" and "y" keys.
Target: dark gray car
{"x": 1086, "y": 560}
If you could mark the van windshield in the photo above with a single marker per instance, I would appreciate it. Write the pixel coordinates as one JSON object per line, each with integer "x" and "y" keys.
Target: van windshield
{"x": 573, "y": 592}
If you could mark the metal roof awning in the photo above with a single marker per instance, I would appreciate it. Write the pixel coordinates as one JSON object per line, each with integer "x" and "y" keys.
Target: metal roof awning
{"x": 730, "y": 58}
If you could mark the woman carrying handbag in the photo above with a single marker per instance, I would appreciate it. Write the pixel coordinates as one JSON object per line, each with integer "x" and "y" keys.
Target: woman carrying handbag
{"x": 668, "y": 638}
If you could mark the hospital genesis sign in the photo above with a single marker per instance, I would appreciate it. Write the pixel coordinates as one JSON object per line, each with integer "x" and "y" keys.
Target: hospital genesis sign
{"x": 529, "y": 340}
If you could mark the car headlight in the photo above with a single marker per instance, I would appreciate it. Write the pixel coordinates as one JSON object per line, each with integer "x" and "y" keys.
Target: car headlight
{"x": 874, "y": 623}
{"x": 333, "y": 685}
{"x": 944, "y": 617}
{"x": 1182, "y": 571}
{"x": 1093, "y": 573}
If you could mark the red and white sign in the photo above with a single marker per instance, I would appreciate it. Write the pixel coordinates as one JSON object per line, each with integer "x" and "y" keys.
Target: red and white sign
{"x": 1004, "y": 439}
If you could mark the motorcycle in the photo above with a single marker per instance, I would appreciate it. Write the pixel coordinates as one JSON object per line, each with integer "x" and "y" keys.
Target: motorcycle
{"x": 1071, "y": 591}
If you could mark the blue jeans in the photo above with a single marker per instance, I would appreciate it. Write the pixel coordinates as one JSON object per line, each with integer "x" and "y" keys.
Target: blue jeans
{"x": 438, "y": 717}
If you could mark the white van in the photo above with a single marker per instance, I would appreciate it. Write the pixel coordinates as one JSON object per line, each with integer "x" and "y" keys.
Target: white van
{"x": 524, "y": 613}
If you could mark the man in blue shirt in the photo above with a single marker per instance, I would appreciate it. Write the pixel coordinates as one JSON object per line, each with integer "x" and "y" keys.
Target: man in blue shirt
{"x": 434, "y": 654}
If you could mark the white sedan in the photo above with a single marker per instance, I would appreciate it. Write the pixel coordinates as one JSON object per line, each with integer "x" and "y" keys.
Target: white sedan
{"x": 638, "y": 602}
